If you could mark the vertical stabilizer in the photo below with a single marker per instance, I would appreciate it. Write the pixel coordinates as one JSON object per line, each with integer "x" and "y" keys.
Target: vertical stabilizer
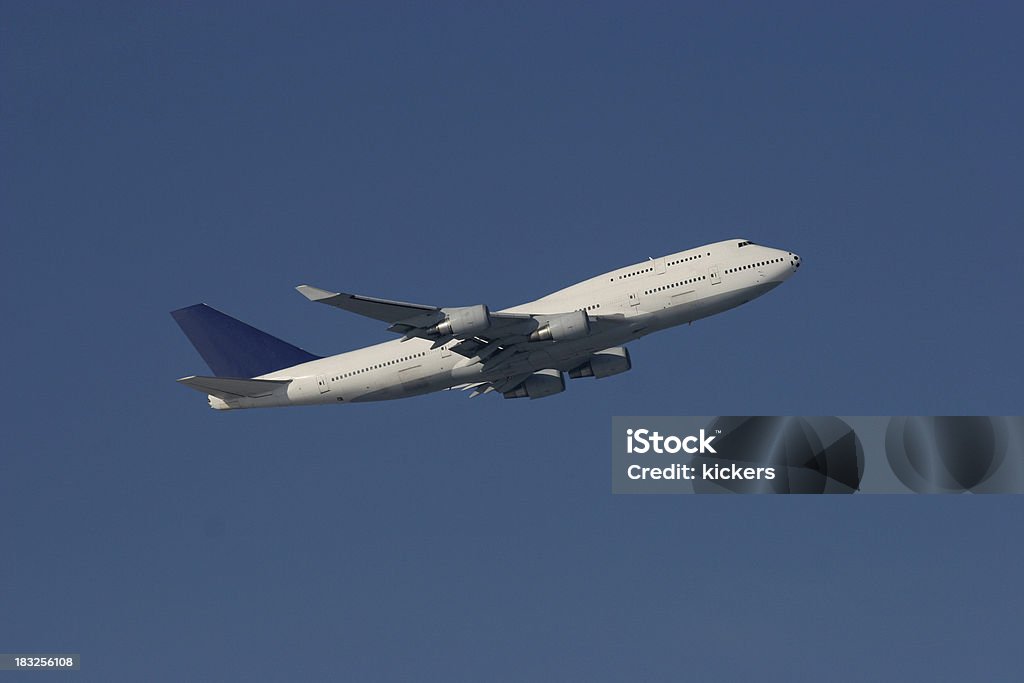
{"x": 233, "y": 349}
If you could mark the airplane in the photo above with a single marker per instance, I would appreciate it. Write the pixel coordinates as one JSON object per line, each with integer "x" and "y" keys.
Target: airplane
{"x": 520, "y": 352}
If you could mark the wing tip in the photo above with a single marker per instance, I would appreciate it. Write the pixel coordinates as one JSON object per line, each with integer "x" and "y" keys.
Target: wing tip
{"x": 314, "y": 293}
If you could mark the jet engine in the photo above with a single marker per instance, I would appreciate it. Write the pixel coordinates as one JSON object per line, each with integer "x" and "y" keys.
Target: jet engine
{"x": 538, "y": 385}
{"x": 563, "y": 327}
{"x": 464, "y": 320}
{"x": 604, "y": 364}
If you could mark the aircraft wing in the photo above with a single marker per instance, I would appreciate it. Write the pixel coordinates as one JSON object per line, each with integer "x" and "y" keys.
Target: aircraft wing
{"x": 491, "y": 338}
{"x": 372, "y": 307}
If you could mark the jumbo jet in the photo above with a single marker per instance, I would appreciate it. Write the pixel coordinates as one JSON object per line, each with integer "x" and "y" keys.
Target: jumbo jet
{"x": 520, "y": 352}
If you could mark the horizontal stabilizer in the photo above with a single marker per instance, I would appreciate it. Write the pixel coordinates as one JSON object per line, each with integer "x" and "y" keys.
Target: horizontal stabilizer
{"x": 233, "y": 387}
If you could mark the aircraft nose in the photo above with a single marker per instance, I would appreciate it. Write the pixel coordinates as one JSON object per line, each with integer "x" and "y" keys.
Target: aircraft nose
{"x": 794, "y": 260}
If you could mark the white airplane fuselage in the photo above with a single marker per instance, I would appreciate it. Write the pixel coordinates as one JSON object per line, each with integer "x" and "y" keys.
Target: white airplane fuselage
{"x": 650, "y": 296}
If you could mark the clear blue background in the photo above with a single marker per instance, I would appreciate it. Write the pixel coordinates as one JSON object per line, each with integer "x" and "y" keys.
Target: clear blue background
{"x": 163, "y": 154}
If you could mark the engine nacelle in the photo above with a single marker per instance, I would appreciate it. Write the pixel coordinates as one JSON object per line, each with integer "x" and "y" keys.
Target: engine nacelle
{"x": 463, "y": 320}
{"x": 538, "y": 385}
{"x": 604, "y": 364}
{"x": 564, "y": 327}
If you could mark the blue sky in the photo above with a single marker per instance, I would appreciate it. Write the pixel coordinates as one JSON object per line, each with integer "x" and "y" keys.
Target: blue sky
{"x": 163, "y": 155}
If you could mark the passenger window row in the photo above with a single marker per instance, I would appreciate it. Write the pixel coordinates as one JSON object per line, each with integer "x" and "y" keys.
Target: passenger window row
{"x": 378, "y": 365}
{"x": 754, "y": 265}
{"x": 633, "y": 274}
{"x": 687, "y": 258}
{"x": 676, "y": 284}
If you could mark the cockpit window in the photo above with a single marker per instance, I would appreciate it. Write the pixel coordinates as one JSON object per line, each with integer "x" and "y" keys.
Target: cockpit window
{"x": 743, "y": 244}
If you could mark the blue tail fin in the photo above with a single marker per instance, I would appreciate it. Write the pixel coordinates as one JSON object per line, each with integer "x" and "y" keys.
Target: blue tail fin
{"x": 233, "y": 349}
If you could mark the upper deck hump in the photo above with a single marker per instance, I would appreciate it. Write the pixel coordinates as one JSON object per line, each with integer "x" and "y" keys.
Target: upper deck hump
{"x": 594, "y": 286}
